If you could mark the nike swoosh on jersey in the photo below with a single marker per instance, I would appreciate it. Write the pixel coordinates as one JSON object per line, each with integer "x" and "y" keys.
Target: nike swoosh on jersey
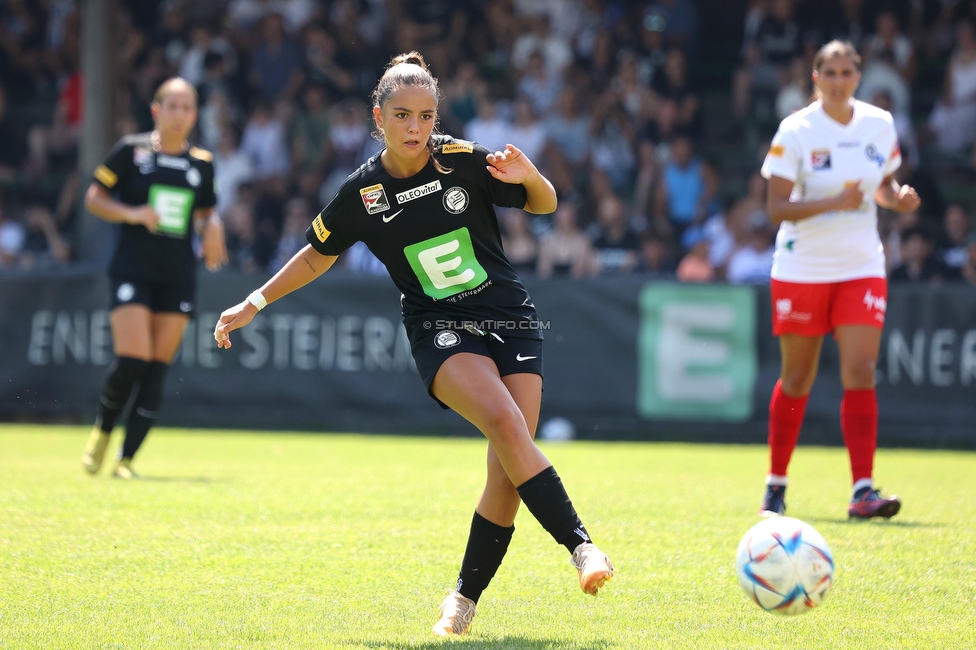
{"x": 519, "y": 357}
{"x": 390, "y": 218}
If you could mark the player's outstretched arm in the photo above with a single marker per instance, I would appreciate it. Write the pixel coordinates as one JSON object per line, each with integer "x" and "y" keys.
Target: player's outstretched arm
{"x": 513, "y": 166}
{"x": 305, "y": 266}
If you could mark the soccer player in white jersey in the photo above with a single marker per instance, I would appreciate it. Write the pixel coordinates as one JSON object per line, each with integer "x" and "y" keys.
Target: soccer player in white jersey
{"x": 829, "y": 167}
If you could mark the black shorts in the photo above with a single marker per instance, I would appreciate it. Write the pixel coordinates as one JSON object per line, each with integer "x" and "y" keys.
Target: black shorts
{"x": 511, "y": 355}
{"x": 159, "y": 297}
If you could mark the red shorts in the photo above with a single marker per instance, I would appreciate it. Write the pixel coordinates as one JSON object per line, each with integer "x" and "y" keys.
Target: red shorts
{"x": 816, "y": 309}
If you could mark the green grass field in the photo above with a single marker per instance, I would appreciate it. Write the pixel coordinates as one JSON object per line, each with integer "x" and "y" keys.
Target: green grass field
{"x": 255, "y": 540}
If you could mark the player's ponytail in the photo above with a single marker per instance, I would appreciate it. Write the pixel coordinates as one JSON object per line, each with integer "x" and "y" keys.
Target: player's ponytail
{"x": 832, "y": 50}
{"x": 407, "y": 70}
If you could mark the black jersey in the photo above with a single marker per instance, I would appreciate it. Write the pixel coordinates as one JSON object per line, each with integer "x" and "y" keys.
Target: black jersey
{"x": 175, "y": 186}
{"x": 438, "y": 236}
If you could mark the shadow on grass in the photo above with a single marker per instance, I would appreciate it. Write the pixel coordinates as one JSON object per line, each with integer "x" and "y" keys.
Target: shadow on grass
{"x": 898, "y": 523}
{"x": 503, "y": 643}
{"x": 175, "y": 479}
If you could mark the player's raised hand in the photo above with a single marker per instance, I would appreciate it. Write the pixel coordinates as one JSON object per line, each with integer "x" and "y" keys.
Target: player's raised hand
{"x": 851, "y": 198}
{"x": 144, "y": 215}
{"x": 511, "y": 165}
{"x": 232, "y": 319}
{"x": 907, "y": 199}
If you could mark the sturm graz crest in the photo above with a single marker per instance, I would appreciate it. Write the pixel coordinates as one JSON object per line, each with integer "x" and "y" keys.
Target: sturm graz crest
{"x": 446, "y": 339}
{"x": 455, "y": 200}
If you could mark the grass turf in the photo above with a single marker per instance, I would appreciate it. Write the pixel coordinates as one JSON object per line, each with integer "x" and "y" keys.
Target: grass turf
{"x": 252, "y": 540}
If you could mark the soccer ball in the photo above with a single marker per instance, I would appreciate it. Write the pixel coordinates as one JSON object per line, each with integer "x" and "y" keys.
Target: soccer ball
{"x": 784, "y": 565}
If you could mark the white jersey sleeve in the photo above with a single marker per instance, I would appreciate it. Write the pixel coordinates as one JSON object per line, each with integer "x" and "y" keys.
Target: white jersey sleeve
{"x": 783, "y": 159}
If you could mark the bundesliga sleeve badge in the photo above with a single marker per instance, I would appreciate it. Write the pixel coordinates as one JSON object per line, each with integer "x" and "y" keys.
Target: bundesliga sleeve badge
{"x": 374, "y": 199}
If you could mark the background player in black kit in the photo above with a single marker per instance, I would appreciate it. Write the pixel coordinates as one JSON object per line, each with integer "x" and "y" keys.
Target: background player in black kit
{"x": 423, "y": 206}
{"x": 160, "y": 189}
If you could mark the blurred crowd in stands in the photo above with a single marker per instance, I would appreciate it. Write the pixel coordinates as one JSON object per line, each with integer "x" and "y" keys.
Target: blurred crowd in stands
{"x": 650, "y": 155}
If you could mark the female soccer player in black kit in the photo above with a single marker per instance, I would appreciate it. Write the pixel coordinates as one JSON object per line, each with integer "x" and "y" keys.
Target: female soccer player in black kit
{"x": 159, "y": 188}
{"x": 423, "y": 206}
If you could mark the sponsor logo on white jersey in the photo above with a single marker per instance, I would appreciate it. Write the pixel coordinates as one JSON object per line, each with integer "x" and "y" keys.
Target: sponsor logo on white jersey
{"x": 418, "y": 192}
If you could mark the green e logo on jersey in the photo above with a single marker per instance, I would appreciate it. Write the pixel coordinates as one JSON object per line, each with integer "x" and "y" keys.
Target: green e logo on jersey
{"x": 173, "y": 205}
{"x": 446, "y": 265}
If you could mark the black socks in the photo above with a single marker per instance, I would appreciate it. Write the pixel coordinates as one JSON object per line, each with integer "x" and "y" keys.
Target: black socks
{"x": 145, "y": 408}
{"x": 487, "y": 545}
{"x": 546, "y": 498}
{"x": 123, "y": 374}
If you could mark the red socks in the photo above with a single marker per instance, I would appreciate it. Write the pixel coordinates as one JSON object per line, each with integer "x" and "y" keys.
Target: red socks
{"x": 785, "y": 419}
{"x": 859, "y": 423}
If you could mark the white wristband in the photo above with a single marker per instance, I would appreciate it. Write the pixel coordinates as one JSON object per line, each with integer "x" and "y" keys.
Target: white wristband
{"x": 257, "y": 299}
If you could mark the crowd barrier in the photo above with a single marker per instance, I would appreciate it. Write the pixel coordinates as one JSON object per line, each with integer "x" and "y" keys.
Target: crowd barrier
{"x": 624, "y": 359}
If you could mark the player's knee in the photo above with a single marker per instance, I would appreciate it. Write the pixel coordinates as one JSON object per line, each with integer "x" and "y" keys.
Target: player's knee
{"x": 797, "y": 382}
{"x": 504, "y": 426}
{"x": 858, "y": 375}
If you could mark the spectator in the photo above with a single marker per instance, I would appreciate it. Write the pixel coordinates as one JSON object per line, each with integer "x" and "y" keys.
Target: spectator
{"x": 60, "y": 138}
{"x": 12, "y": 238}
{"x": 489, "y": 129}
{"x": 957, "y": 229}
{"x": 538, "y": 85}
{"x": 520, "y": 246}
{"x": 777, "y": 42}
{"x": 880, "y": 74}
{"x": 676, "y": 20}
{"x": 464, "y": 92}
{"x": 242, "y": 240}
{"x": 528, "y": 133}
{"x": 797, "y": 92}
{"x": 655, "y": 257}
{"x": 611, "y": 143}
{"x": 696, "y": 265}
{"x": 264, "y": 143}
{"x": 954, "y": 119}
{"x": 918, "y": 261}
{"x": 565, "y": 250}
{"x": 191, "y": 65}
{"x": 310, "y": 135}
{"x": 276, "y": 64}
{"x": 232, "y": 168}
{"x": 888, "y": 38}
{"x": 686, "y": 191}
{"x": 567, "y": 129}
{"x": 675, "y": 85}
{"x": 326, "y": 66}
{"x": 752, "y": 263}
{"x": 633, "y": 92}
{"x": 44, "y": 247}
{"x": 968, "y": 271}
{"x": 903, "y": 126}
{"x": 616, "y": 245}
{"x": 555, "y": 51}
{"x": 721, "y": 239}
{"x": 216, "y": 116}
{"x": 14, "y": 149}
{"x": 292, "y": 240}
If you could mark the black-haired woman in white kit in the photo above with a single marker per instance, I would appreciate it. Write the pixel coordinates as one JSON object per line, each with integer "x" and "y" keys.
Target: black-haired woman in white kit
{"x": 424, "y": 207}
